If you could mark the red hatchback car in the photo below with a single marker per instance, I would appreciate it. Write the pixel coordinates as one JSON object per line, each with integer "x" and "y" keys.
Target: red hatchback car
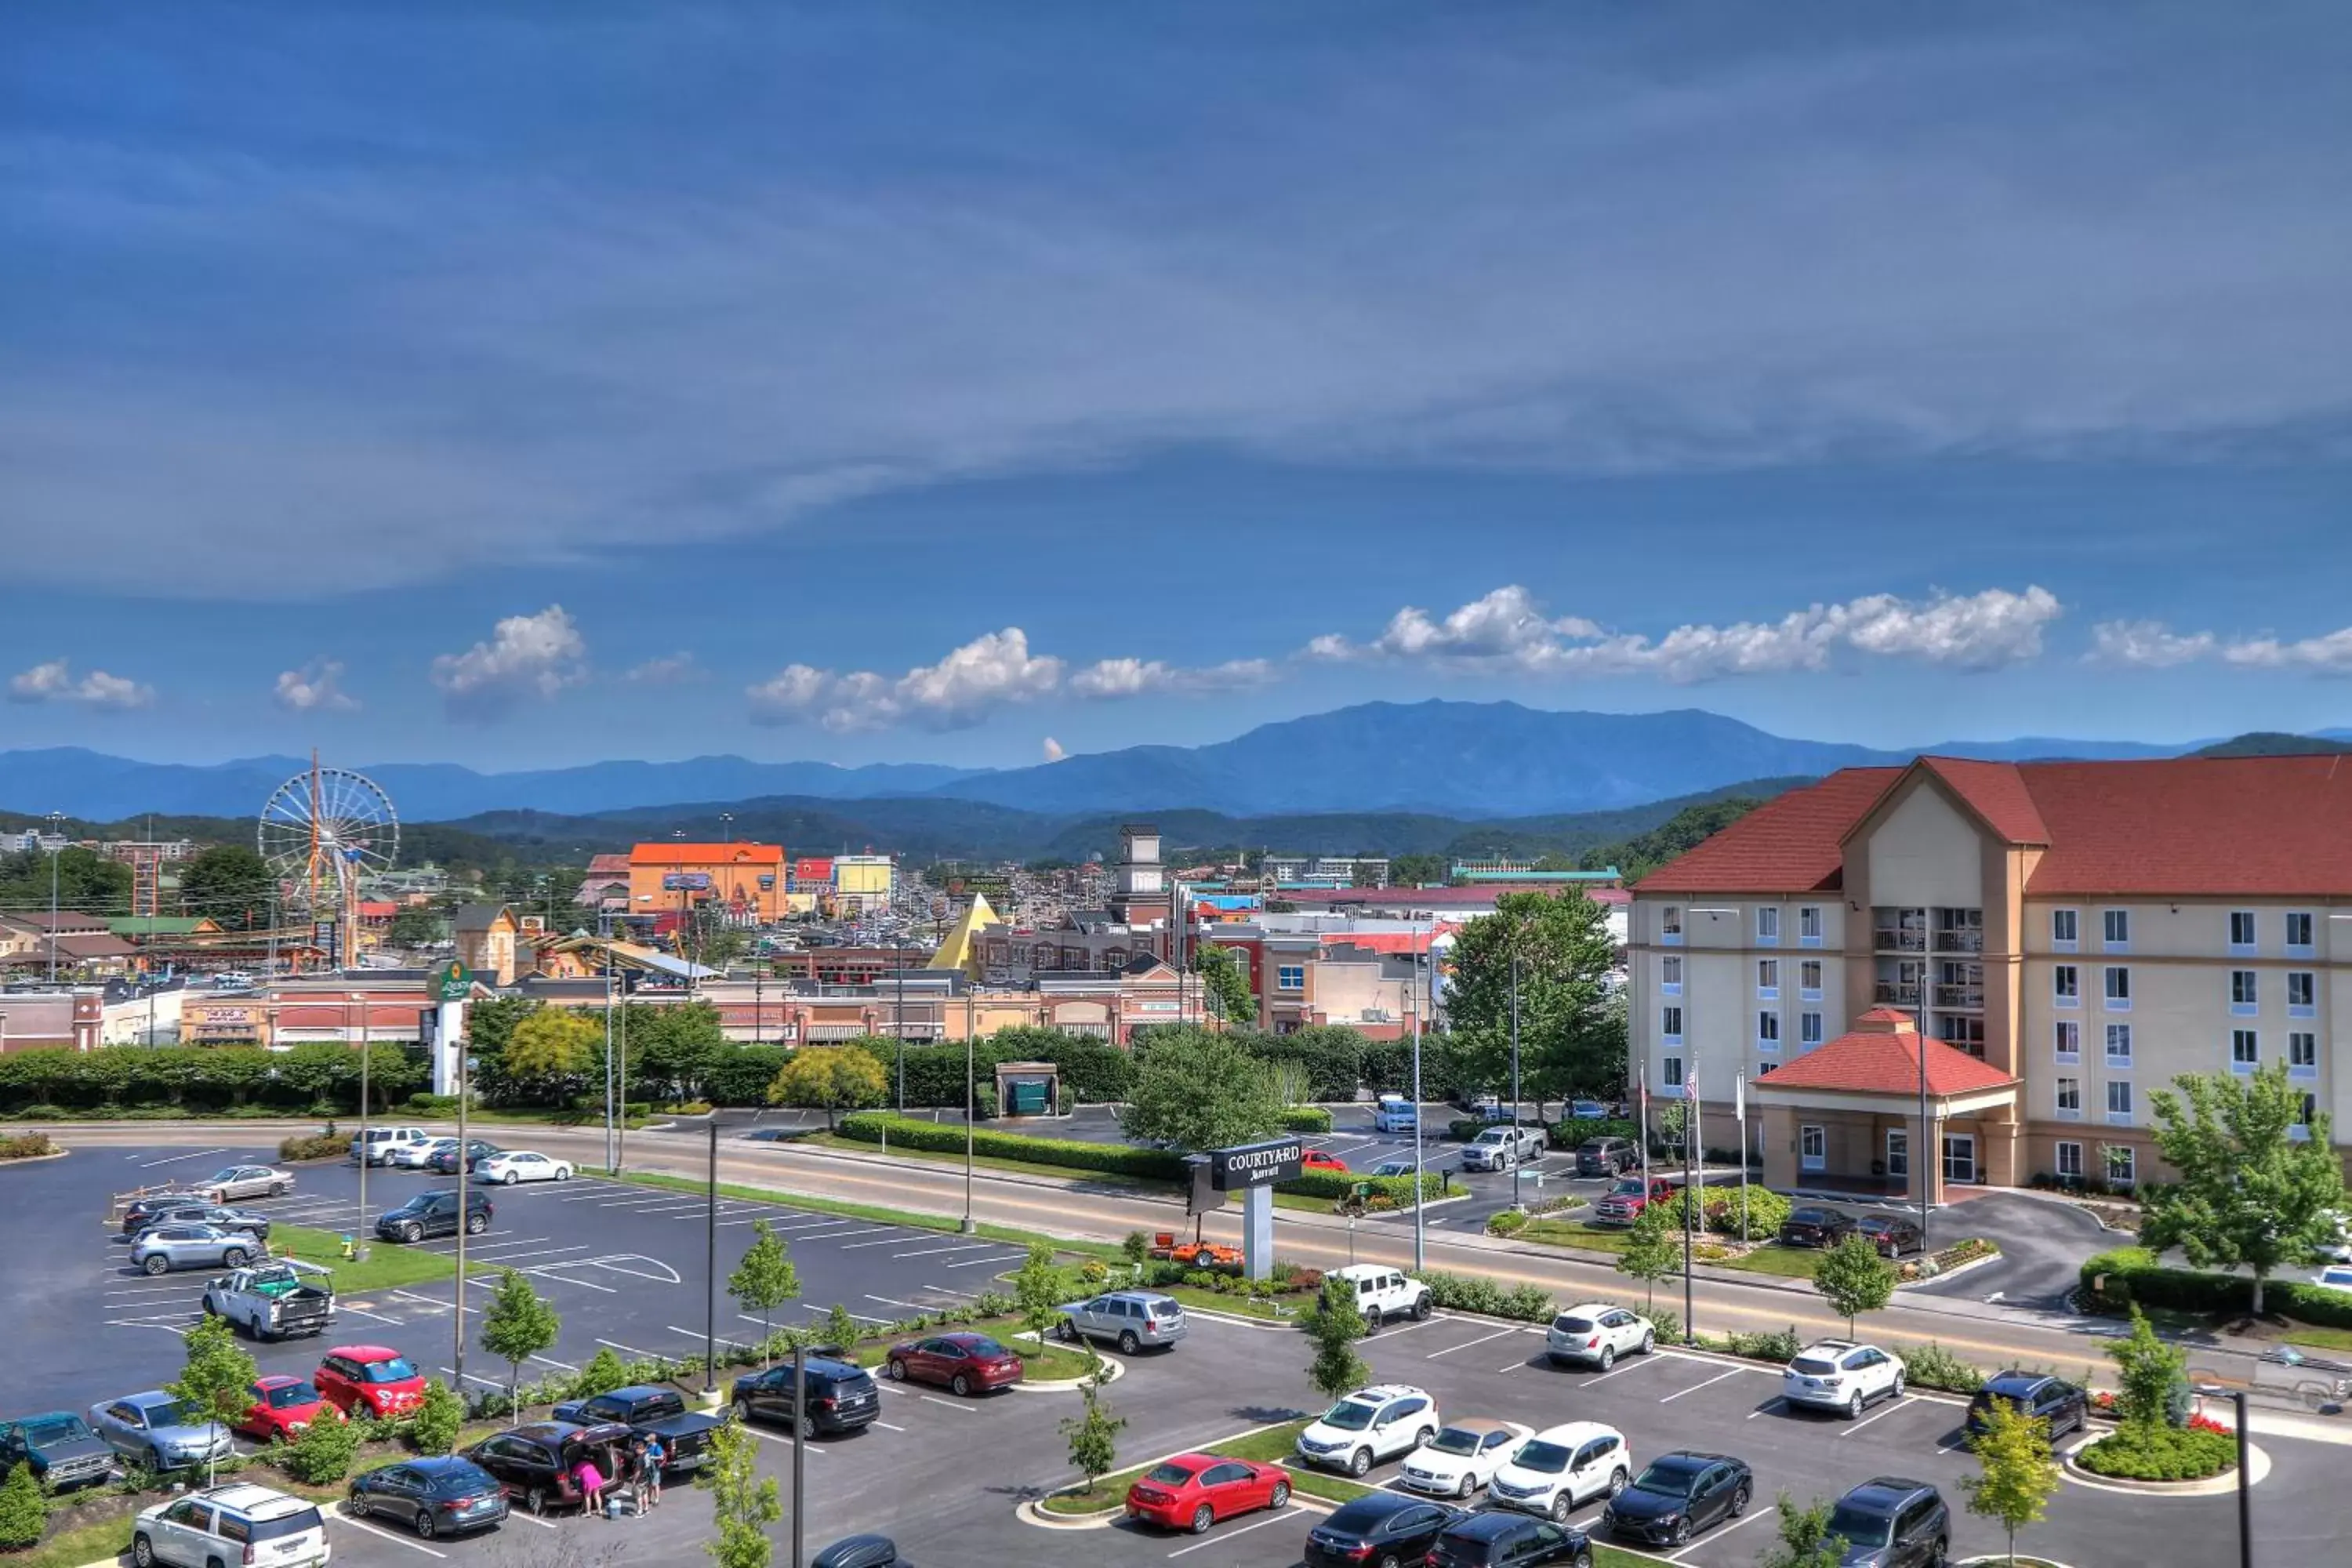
{"x": 282, "y": 1406}
{"x": 372, "y": 1375}
{"x": 1316, "y": 1160}
{"x": 967, "y": 1363}
{"x": 1193, "y": 1492}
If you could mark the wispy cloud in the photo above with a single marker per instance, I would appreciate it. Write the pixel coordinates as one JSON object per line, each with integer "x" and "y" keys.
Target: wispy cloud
{"x": 317, "y": 686}
{"x": 1507, "y": 630}
{"x": 2152, "y": 645}
{"x": 56, "y": 682}
{"x": 526, "y": 658}
{"x": 1116, "y": 677}
{"x": 669, "y": 669}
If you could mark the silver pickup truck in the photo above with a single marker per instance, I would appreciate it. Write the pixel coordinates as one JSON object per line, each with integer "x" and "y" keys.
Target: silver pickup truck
{"x": 274, "y": 1301}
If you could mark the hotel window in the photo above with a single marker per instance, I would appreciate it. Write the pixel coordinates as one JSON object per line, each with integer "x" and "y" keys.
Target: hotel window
{"x": 1766, "y": 1069}
{"x": 2245, "y": 1050}
{"x": 2302, "y": 994}
{"x": 1808, "y": 980}
{"x": 1670, "y": 975}
{"x": 2119, "y": 1102}
{"x": 2070, "y": 1041}
{"x": 1809, "y": 1029}
{"x": 1767, "y": 926}
{"x": 2119, "y": 1046}
{"x": 2241, "y": 931}
{"x": 1767, "y": 1031}
{"x": 2070, "y": 1097}
{"x": 2302, "y": 1053}
{"x": 1670, "y": 1024}
{"x": 2065, "y": 929}
{"x": 2245, "y": 999}
{"x": 1768, "y": 979}
{"x": 2298, "y": 934}
{"x": 1809, "y": 925}
{"x": 1670, "y": 924}
{"x": 2122, "y": 1166}
{"x": 2070, "y": 1160}
{"x": 2118, "y": 988}
{"x": 1290, "y": 977}
{"x": 2066, "y": 985}
{"x": 2114, "y": 926}
{"x": 2299, "y": 1128}
{"x": 1670, "y": 1074}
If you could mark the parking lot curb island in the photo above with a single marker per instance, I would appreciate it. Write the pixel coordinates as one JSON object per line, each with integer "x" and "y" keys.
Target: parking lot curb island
{"x": 1111, "y": 1372}
{"x": 2258, "y": 1463}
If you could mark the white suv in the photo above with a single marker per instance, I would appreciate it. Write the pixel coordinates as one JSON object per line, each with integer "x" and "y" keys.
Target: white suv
{"x": 235, "y": 1523}
{"x": 1369, "y": 1426}
{"x": 1561, "y": 1469}
{"x": 1838, "y": 1374}
{"x": 1500, "y": 1148}
{"x": 1382, "y": 1292}
{"x": 382, "y": 1141}
{"x": 1597, "y": 1333}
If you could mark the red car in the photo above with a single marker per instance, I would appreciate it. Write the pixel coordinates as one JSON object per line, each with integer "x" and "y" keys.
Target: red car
{"x": 967, "y": 1363}
{"x": 1316, "y": 1160}
{"x": 1193, "y": 1492}
{"x": 370, "y": 1375}
{"x": 282, "y": 1406}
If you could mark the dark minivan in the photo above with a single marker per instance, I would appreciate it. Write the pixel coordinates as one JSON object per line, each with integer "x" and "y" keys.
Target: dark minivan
{"x": 840, "y": 1397}
{"x": 1606, "y": 1156}
{"x": 1375, "y": 1528}
{"x": 1497, "y": 1540}
{"x": 2045, "y": 1398}
{"x": 434, "y": 1214}
{"x": 1891, "y": 1522}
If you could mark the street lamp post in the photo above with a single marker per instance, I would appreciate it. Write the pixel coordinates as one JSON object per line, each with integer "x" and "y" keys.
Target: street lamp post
{"x": 2237, "y": 1397}
{"x": 57, "y": 847}
{"x": 1414, "y": 998}
{"x": 971, "y": 1071}
{"x": 1694, "y": 1131}
{"x": 359, "y": 1228}
{"x": 1514, "y": 1077}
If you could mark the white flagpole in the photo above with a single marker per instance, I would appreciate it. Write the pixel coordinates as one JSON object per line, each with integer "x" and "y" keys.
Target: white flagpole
{"x": 1739, "y": 1112}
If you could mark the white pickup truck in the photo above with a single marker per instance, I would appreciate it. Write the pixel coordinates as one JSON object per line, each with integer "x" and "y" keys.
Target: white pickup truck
{"x": 274, "y": 1301}
{"x": 1500, "y": 1148}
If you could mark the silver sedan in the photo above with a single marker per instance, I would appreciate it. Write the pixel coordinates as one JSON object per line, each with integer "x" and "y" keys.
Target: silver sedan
{"x": 246, "y": 1182}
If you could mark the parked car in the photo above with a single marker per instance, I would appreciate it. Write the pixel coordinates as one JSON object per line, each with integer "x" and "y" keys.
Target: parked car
{"x": 1463, "y": 1456}
{"x": 218, "y": 1215}
{"x": 1394, "y": 1168}
{"x": 274, "y": 1301}
{"x": 1193, "y": 1492}
{"x": 380, "y": 1142}
{"x": 170, "y": 1247}
{"x": 1316, "y": 1160}
{"x": 1622, "y": 1203}
{"x": 444, "y": 1158}
{"x": 1500, "y": 1148}
{"x": 512, "y": 1165}
{"x": 375, "y": 1376}
{"x": 2063, "y": 1405}
{"x": 441, "y": 1495}
{"x": 1130, "y": 1318}
{"x": 1677, "y": 1495}
{"x": 1837, "y": 1374}
{"x": 1369, "y": 1426}
{"x": 861, "y": 1551}
{"x": 964, "y": 1363}
{"x": 535, "y": 1462}
{"x": 1394, "y": 1113}
{"x": 2336, "y": 1247}
{"x": 59, "y": 1449}
{"x": 1597, "y": 1333}
{"x": 140, "y": 1211}
{"x": 650, "y": 1412}
{"x": 155, "y": 1430}
{"x": 840, "y": 1397}
{"x": 1384, "y": 1527}
{"x": 1384, "y": 1291}
{"x": 434, "y": 1214}
{"x": 2334, "y": 1277}
{"x": 1891, "y": 1522}
{"x": 404, "y": 1157}
{"x": 1606, "y": 1156}
{"x": 236, "y": 1182}
{"x": 1561, "y": 1469}
{"x": 284, "y": 1406}
{"x": 1812, "y": 1226}
{"x": 1506, "y": 1540}
{"x": 1890, "y": 1233}
{"x": 239, "y": 1522}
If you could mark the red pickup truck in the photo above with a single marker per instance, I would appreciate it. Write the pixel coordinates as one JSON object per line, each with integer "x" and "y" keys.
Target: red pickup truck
{"x": 1624, "y": 1202}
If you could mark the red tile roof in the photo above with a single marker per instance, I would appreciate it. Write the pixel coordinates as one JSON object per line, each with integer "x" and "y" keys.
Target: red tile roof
{"x": 1996, "y": 792}
{"x": 1788, "y": 845}
{"x": 1881, "y": 1055}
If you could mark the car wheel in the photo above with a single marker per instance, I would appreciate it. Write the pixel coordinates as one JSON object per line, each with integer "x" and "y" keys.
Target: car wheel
{"x": 423, "y": 1525}
{"x": 1389, "y": 1559}
{"x": 808, "y": 1429}
{"x": 562, "y": 1172}
{"x": 233, "y": 1257}
{"x": 143, "y": 1552}
{"x": 412, "y": 1231}
{"x": 535, "y": 1500}
{"x": 475, "y": 1224}
{"x": 1899, "y": 1385}
{"x": 1739, "y": 1502}
{"x": 1562, "y": 1505}
{"x": 1280, "y": 1495}
{"x": 896, "y": 1371}
{"x": 1581, "y": 1560}
{"x": 277, "y": 1189}
{"x": 1616, "y": 1484}
{"x": 1853, "y": 1405}
{"x": 960, "y": 1387}
{"x": 1608, "y": 1357}
{"x": 159, "y": 1264}
{"x": 1422, "y": 1308}
{"x": 1469, "y": 1484}
{"x": 1649, "y": 1340}
{"x": 511, "y": 1177}
{"x": 1359, "y": 1461}
{"x": 1203, "y": 1517}
{"x": 356, "y": 1507}
{"x": 1371, "y": 1319}
{"x": 1681, "y": 1535}
{"x": 1935, "y": 1558}
{"x": 1128, "y": 1344}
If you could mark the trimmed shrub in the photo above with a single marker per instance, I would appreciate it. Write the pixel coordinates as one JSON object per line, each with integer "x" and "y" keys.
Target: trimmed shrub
{"x": 27, "y": 1146}
{"x": 322, "y": 1453}
{"x": 314, "y": 1146}
{"x": 604, "y": 1373}
{"x": 1156, "y": 1165}
{"x": 1575, "y": 1130}
{"x": 432, "y": 1104}
{"x": 22, "y": 1516}
{"x": 1307, "y": 1118}
{"x": 1511, "y": 1222}
{"x": 2143, "y": 1452}
{"x": 2112, "y": 1281}
{"x": 440, "y": 1417}
{"x": 1774, "y": 1344}
{"x": 741, "y": 1076}
{"x": 1932, "y": 1366}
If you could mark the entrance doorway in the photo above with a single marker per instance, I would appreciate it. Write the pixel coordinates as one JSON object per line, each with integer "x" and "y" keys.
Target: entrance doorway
{"x": 1960, "y": 1158}
{"x": 1813, "y": 1149}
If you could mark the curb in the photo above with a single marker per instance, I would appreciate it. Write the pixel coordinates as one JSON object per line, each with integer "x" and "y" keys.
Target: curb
{"x": 1261, "y": 1324}
{"x": 36, "y": 1159}
{"x": 1030, "y": 1513}
{"x": 2258, "y": 1467}
{"x": 1111, "y": 1372}
{"x": 1954, "y": 1273}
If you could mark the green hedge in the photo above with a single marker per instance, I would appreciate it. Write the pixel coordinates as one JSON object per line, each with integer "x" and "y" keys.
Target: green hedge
{"x": 205, "y": 1079}
{"x": 2132, "y": 1274}
{"x": 1476, "y": 1293}
{"x": 1307, "y": 1118}
{"x": 2148, "y": 1453}
{"x": 1567, "y": 1134}
{"x": 1118, "y": 1159}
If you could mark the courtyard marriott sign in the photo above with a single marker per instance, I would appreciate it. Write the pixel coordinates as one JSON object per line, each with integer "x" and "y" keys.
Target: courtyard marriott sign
{"x": 1256, "y": 1164}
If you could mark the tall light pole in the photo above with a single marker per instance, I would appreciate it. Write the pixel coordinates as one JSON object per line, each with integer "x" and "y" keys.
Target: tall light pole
{"x": 970, "y": 1071}
{"x": 1515, "y": 1071}
{"x": 359, "y": 1229}
{"x": 1693, "y": 1122}
{"x": 57, "y": 847}
{"x": 1420, "y": 1249}
{"x": 898, "y": 1023}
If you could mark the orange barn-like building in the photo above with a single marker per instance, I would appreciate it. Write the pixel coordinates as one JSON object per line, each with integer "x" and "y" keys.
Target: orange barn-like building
{"x": 746, "y": 880}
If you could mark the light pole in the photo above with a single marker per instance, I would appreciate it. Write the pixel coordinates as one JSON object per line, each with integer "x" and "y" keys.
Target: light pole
{"x": 898, "y": 1024}
{"x": 971, "y": 1071}
{"x": 359, "y": 1228}
{"x": 610, "y": 1160}
{"x": 1415, "y": 997}
{"x": 57, "y": 847}
{"x": 1692, "y": 1129}
{"x": 1515, "y": 1075}
{"x": 727, "y": 826}
{"x": 2237, "y": 1397}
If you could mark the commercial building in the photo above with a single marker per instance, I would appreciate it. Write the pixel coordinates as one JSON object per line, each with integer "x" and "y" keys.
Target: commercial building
{"x": 2071, "y": 936}
{"x": 745, "y": 881}
{"x": 864, "y": 884}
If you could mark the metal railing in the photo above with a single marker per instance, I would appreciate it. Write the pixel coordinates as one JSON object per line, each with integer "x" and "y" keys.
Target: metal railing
{"x": 1968, "y": 996}
{"x": 1888, "y": 939}
{"x": 1899, "y": 995}
{"x": 1959, "y": 941}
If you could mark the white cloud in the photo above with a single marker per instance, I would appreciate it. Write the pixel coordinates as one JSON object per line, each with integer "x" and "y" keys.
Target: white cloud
{"x": 527, "y": 657}
{"x": 671, "y": 669}
{"x": 315, "y": 686}
{"x": 1507, "y": 630}
{"x": 986, "y": 673}
{"x": 1114, "y": 677}
{"x": 2329, "y": 655}
{"x": 2153, "y": 645}
{"x": 54, "y": 683}
{"x": 1053, "y": 750}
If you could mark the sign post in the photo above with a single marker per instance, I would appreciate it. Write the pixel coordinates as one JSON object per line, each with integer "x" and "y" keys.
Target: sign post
{"x": 1252, "y": 1170}
{"x": 447, "y": 985}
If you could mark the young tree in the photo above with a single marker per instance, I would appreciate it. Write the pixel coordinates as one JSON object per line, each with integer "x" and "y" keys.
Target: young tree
{"x": 2249, "y": 1195}
{"x": 417, "y": 926}
{"x": 1568, "y": 1042}
{"x": 2018, "y": 1472}
{"x": 841, "y": 1328}
{"x": 23, "y": 1515}
{"x": 1805, "y": 1540}
{"x": 1335, "y": 1325}
{"x": 1198, "y": 1091}
{"x": 2154, "y": 1376}
{"x": 1037, "y": 1287}
{"x": 229, "y": 884}
{"x": 552, "y": 1048}
{"x": 743, "y": 1502}
{"x": 1854, "y": 1279}
{"x": 216, "y": 1382}
{"x": 1094, "y": 1435}
{"x": 1654, "y": 1250}
{"x": 1225, "y": 982}
{"x": 830, "y": 1078}
{"x": 764, "y": 1281}
{"x": 517, "y": 1325}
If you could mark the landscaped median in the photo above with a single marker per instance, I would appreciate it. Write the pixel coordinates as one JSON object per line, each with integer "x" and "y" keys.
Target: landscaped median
{"x": 385, "y": 1267}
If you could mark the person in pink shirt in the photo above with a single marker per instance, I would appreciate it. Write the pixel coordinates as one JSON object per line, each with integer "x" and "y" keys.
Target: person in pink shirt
{"x": 591, "y": 1482}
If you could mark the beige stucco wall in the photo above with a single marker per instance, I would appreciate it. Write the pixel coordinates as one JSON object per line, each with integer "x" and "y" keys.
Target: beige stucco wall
{"x": 1923, "y": 853}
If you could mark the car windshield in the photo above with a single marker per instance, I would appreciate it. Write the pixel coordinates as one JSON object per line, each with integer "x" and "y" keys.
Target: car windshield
{"x": 51, "y": 1429}
{"x": 1170, "y": 1474}
{"x": 292, "y": 1396}
{"x": 1351, "y": 1415}
{"x": 1632, "y": 1186}
{"x": 1455, "y": 1440}
{"x": 393, "y": 1371}
{"x": 985, "y": 1350}
{"x": 1545, "y": 1458}
{"x": 1859, "y": 1527}
{"x": 231, "y": 1174}
{"x": 1669, "y": 1480}
{"x": 171, "y": 1413}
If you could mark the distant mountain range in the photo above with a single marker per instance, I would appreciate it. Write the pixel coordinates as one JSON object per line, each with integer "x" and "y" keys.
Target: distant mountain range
{"x": 1449, "y": 761}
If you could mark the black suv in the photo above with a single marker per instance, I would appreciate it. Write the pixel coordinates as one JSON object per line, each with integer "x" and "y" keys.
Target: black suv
{"x": 840, "y": 1397}
{"x": 2045, "y": 1398}
{"x": 1606, "y": 1156}
{"x": 434, "y": 1214}
{"x": 1499, "y": 1540}
{"x": 1891, "y": 1522}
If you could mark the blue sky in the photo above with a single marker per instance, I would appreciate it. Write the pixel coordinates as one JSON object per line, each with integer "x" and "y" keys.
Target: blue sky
{"x": 529, "y": 383}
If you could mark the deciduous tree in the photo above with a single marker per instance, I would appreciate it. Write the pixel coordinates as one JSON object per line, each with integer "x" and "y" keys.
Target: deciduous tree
{"x": 1571, "y": 1040}
{"x": 216, "y": 1382}
{"x": 518, "y": 1324}
{"x": 743, "y": 1502}
{"x": 1654, "y": 1250}
{"x": 1805, "y": 1540}
{"x": 552, "y": 1048}
{"x": 1198, "y": 1091}
{"x": 1225, "y": 982}
{"x": 1335, "y": 1325}
{"x": 2017, "y": 1472}
{"x": 764, "y": 1281}
{"x": 830, "y": 1079}
{"x": 229, "y": 884}
{"x": 1853, "y": 1279}
{"x": 1094, "y": 1435}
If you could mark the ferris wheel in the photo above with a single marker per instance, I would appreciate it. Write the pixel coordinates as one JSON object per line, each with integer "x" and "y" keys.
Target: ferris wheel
{"x": 322, "y": 834}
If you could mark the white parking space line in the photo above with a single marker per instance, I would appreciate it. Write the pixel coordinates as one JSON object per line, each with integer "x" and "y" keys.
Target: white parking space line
{"x": 951, "y": 1404}
{"x": 944, "y": 1290}
{"x": 550, "y": 1361}
{"x": 1006, "y": 1257}
{"x": 779, "y": 1439}
{"x": 1775, "y": 1403}
{"x": 893, "y": 1241}
{"x": 364, "y": 1312}
{"x": 935, "y": 1251}
{"x": 1341, "y": 1155}
{"x": 565, "y": 1279}
{"x": 887, "y": 1427}
{"x": 469, "y": 1377}
{"x": 815, "y": 1311}
{"x": 641, "y": 1355}
{"x": 865, "y": 1230}
{"x": 1227, "y": 1535}
{"x": 1725, "y": 1529}
{"x": 894, "y": 1301}
{"x": 396, "y": 1539}
{"x": 1623, "y": 1368}
{"x": 175, "y": 1158}
{"x": 1891, "y": 1407}
{"x": 1710, "y": 1382}
{"x": 449, "y": 1248}
{"x": 428, "y": 1301}
{"x": 1467, "y": 1343}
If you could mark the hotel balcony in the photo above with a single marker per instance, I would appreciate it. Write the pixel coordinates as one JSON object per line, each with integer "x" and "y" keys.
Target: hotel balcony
{"x": 1968, "y": 998}
{"x": 1889, "y": 939}
{"x": 1959, "y": 941}
{"x": 1896, "y": 994}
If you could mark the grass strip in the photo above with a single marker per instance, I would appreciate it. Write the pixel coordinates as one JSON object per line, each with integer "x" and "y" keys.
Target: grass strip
{"x": 1789, "y": 1262}
{"x": 386, "y": 1265}
{"x": 1232, "y": 1306}
{"x": 82, "y": 1543}
{"x": 991, "y": 1163}
{"x": 1576, "y": 1233}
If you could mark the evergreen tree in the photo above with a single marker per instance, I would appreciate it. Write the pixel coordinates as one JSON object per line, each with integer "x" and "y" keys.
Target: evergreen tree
{"x": 22, "y": 1516}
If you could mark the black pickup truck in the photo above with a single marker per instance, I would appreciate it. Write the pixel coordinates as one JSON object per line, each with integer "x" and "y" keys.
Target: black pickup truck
{"x": 651, "y": 1412}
